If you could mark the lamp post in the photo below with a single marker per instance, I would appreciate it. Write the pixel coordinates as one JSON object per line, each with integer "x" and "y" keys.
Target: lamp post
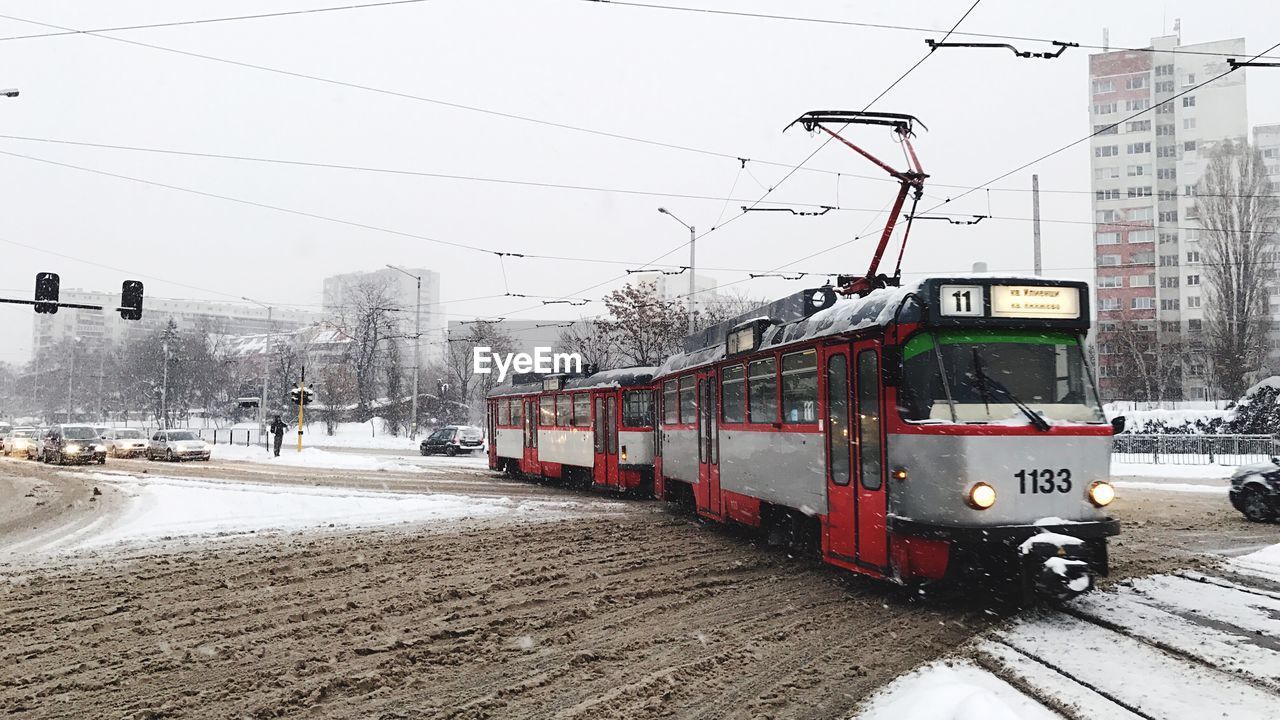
{"x": 693, "y": 238}
{"x": 71, "y": 374}
{"x": 266, "y": 367}
{"x": 417, "y": 350}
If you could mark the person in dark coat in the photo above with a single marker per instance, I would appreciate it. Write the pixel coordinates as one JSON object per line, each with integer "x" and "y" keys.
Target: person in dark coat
{"x": 277, "y": 429}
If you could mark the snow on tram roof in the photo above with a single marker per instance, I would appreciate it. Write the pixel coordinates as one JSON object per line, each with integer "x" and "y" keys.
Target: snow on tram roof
{"x": 622, "y": 377}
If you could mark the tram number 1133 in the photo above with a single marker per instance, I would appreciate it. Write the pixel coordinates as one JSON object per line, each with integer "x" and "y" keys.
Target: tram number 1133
{"x": 1043, "y": 481}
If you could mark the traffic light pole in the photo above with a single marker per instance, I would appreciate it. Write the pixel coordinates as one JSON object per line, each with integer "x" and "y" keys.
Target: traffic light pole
{"x": 302, "y": 403}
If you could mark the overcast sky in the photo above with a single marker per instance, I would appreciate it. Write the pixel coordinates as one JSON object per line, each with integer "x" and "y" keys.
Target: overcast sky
{"x": 712, "y": 82}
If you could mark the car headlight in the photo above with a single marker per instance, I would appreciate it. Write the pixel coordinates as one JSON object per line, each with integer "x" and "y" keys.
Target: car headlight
{"x": 1101, "y": 493}
{"x": 73, "y": 449}
{"x": 982, "y": 496}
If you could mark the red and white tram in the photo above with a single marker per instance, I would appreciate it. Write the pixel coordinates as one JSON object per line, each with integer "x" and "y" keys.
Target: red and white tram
{"x": 594, "y": 430}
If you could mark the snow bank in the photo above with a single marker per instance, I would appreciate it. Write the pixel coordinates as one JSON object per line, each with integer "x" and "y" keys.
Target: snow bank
{"x": 312, "y": 458}
{"x": 1180, "y": 472}
{"x": 166, "y": 507}
{"x": 952, "y": 691}
{"x": 1171, "y": 487}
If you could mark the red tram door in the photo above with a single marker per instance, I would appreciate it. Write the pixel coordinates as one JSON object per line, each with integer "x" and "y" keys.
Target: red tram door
{"x": 708, "y": 446}
{"x": 868, "y": 433}
{"x": 842, "y": 523}
{"x": 605, "y": 433}
{"x": 530, "y": 436}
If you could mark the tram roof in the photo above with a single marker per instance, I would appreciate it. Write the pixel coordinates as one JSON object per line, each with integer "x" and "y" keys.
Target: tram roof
{"x": 620, "y": 378}
{"x": 876, "y": 309}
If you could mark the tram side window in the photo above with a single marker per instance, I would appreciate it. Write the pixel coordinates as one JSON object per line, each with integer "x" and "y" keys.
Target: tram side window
{"x": 762, "y": 389}
{"x": 517, "y": 412}
{"x": 504, "y": 413}
{"x": 869, "y": 419}
{"x": 800, "y": 387}
{"x": 670, "y": 403}
{"x": 838, "y": 418}
{"x": 688, "y": 408}
{"x": 547, "y": 410}
{"x": 734, "y": 397}
{"x": 564, "y": 411}
{"x": 582, "y": 410}
{"x": 637, "y": 408}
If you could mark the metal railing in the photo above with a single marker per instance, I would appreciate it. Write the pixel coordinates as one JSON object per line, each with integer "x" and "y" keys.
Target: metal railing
{"x": 1194, "y": 449}
{"x": 228, "y": 436}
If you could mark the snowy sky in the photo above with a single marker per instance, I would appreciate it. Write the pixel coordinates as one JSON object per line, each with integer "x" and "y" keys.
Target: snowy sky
{"x": 724, "y": 84}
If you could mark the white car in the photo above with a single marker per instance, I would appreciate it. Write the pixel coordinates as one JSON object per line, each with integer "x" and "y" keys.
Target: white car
{"x": 176, "y": 445}
{"x": 125, "y": 442}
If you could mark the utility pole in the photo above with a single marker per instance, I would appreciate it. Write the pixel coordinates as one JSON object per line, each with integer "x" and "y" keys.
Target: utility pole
{"x": 693, "y": 239}
{"x": 164, "y": 391}
{"x": 1035, "y": 219}
{"x": 302, "y": 403}
{"x": 266, "y": 369}
{"x": 417, "y": 350}
{"x": 102, "y": 366}
{"x": 71, "y": 374}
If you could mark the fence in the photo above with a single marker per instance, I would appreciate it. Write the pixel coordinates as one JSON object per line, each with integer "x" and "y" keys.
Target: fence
{"x": 228, "y": 436}
{"x": 1194, "y": 449}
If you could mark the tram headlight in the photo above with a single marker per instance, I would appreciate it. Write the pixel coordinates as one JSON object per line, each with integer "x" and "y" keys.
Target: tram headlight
{"x": 982, "y": 496}
{"x": 1101, "y": 493}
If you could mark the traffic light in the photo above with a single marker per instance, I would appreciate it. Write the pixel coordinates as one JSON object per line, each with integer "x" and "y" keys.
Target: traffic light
{"x": 307, "y": 396}
{"x": 131, "y": 300}
{"x": 47, "y": 285}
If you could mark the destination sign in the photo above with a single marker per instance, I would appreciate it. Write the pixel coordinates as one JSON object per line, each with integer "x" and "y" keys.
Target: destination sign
{"x": 1035, "y": 301}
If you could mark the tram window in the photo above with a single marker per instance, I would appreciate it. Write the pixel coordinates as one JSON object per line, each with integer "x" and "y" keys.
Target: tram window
{"x": 688, "y": 408}
{"x": 517, "y": 412}
{"x": 670, "y": 403}
{"x": 838, "y": 418}
{"x": 637, "y": 408}
{"x": 869, "y": 419}
{"x": 547, "y": 410}
{"x": 800, "y": 387}
{"x": 564, "y": 411}
{"x": 732, "y": 393}
{"x": 977, "y": 371}
{"x": 504, "y": 413}
{"x": 762, "y": 389}
{"x": 582, "y": 410}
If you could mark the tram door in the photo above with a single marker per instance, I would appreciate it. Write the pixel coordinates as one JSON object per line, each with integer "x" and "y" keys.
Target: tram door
{"x": 708, "y": 444}
{"x": 842, "y": 524}
{"x": 530, "y": 435}
{"x": 868, "y": 434}
{"x": 605, "y": 438}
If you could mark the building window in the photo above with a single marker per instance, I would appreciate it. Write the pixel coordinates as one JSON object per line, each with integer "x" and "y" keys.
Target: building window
{"x": 762, "y": 389}
{"x": 1108, "y": 260}
{"x": 1164, "y": 86}
{"x": 1189, "y": 101}
{"x": 670, "y": 403}
{"x": 1168, "y": 260}
{"x": 1136, "y": 170}
{"x": 1164, "y": 130}
{"x": 1139, "y": 148}
{"x": 1193, "y": 213}
{"x": 1136, "y": 82}
{"x": 1163, "y": 70}
{"x": 1143, "y": 258}
{"x": 1168, "y": 282}
{"x": 1164, "y": 108}
{"x": 1189, "y": 146}
{"x": 1191, "y": 80}
{"x": 800, "y": 387}
{"x": 1138, "y": 214}
{"x": 1193, "y": 256}
{"x": 1148, "y": 280}
{"x": 1106, "y": 173}
{"x": 1111, "y": 281}
{"x": 688, "y": 408}
{"x": 1170, "y": 326}
{"x": 1193, "y": 325}
{"x": 1193, "y": 279}
{"x": 1167, "y": 151}
{"x": 1166, "y": 174}
{"x": 1189, "y": 190}
{"x": 1168, "y": 237}
{"x": 1109, "y": 129}
{"x": 1169, "y": 216}
{"x": 1103, "y": 86}
{"x": 1109, "y": 238}
{"x": 1188, "y": 123}
{"x": 1106, "y": 151}
{"x": 1144, "y": 191}
{"x": 1166, "y": 195}
{"x": 1141, "y": 236}
{"x": 1143, "y": 303}
{"x": 1138, "y": 126}
{"x": 1106, "y": 216}
{"x": 1104, "y": 108}
{"x": 1111, "y": 194}
{"x": 1193, "y": 301}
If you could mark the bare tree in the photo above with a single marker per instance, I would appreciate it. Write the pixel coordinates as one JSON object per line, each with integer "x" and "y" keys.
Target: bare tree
{"x": 644, "y": 328}
{"x": 725, "y": 306}
{"x": 1239, "y": 216}
{"x": 592, "y": 339}
{"x": 1138, "y": 366}
{"x": 367, "y": 320}
{"x": 463, "y": 384}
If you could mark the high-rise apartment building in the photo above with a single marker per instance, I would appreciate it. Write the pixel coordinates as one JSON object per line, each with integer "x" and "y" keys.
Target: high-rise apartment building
{"x": 1147, "y": 253}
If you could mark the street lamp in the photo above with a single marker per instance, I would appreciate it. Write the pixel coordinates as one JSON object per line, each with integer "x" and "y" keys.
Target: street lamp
{"x": 266, "y": 366}
{"x": 693, "y": 238}
{"x": 71, "y": 374}
{"x": 417, "y": 350}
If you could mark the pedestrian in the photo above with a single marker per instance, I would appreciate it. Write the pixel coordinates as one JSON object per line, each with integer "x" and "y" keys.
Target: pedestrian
{"x": 277, "y": 429}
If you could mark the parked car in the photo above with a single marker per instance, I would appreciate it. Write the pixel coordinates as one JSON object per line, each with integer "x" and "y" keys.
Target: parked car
{"x": 42, "y": 439}
{"x": 6, "y": 429}
{"x": 174, "y": 445}
{"x": 74, "y": 444}
{"x": 125, "y": 442}
{"x": 453, "y": 439}
{"x": 1255, "y": 491}
{"x": 20, "y": 441}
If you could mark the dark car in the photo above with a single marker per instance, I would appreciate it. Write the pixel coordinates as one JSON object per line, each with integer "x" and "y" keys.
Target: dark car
{"x": 452, "y": 440}
{"x": 1255, "y": 491}
{"x": 74, "y": 444}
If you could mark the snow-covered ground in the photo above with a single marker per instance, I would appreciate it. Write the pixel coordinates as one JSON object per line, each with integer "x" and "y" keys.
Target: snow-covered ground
{"x": 1185, "y": 646}
{"x": 165, "y": 508}
{"x": 330, "y": 460}
{"x": 1180, "y": 472}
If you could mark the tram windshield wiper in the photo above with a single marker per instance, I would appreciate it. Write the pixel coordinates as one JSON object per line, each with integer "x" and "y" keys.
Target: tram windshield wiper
{"x": 988, "y": 383}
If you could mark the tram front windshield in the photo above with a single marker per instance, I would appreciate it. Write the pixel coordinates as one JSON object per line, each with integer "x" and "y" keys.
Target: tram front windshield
{"x": 983, "y": 376}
